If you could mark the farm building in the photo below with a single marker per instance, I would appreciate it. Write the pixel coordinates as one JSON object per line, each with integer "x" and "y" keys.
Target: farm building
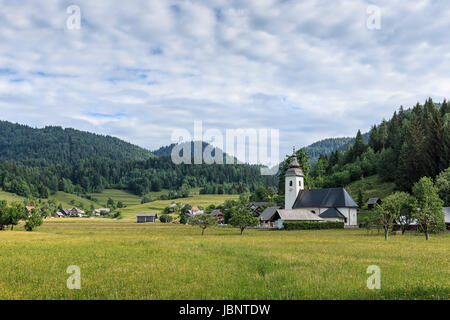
{"x": 219, "y": 215}
{"x": 372, "y": 202}
{"x": 193, "y": 211}
{"x": 257, "y": 207}
{"x": 332, "y": 204}
{"x": 144, "y": 217}
{"x": 75, "y": 212}
{"x": 99, "y": 211}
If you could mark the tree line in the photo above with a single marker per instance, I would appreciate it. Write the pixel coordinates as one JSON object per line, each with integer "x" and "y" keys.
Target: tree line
{"x": 138, "y": 176}
{"x": 414, "y": 143}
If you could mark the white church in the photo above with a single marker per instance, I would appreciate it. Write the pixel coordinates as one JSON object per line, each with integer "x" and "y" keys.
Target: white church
{"x": 331, "y": 204}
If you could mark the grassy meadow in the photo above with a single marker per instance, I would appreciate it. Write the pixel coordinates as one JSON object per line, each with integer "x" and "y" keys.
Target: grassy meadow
{"x": 371, "y": 186}
{"x": 125, "y": 260}
{"x": 158, "y": 206}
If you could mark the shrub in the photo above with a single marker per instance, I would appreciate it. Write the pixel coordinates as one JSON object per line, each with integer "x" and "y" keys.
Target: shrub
{"x": 165, "y": 218}
{"x": 34, "y": 221}
{"x": 312, "y": 225}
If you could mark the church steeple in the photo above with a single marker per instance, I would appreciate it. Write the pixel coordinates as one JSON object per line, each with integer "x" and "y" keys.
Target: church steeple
{"x": 294, "y": 182}
{"x": 294, "y": 167}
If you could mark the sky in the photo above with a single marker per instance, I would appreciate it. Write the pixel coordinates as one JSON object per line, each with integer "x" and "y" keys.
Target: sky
{"x": 139, "y": 70}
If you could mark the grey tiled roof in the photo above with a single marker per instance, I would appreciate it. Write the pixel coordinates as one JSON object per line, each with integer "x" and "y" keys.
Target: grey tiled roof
{"x": 268, "y": 213}
{"x": 331, "y": 213}
{"x": 298, "y": 215}
{"x": 146, "y": 214}
{"x": 325, "y": 198}
{"x": 372, "y": 200}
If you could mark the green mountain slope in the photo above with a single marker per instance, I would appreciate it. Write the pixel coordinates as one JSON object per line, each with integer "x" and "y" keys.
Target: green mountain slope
{"x": 22, "y": 143}
{"x": 326, "y": 146}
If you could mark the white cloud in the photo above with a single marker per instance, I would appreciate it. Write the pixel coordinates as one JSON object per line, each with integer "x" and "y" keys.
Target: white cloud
{"x": 311, "y": 69}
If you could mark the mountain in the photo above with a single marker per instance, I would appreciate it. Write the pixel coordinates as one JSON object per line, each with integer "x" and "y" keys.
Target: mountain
{"x": 25, "y": 144}
{"x": 167, "y": 150}
{"x": 327, "y": 146}
{"x": 40, "y": 162}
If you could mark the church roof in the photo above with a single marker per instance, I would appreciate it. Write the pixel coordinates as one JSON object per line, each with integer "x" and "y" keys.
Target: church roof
{"x": 331, "y": 213}
{"x": 327, "y": 198}
{"x": 298, "y": 215}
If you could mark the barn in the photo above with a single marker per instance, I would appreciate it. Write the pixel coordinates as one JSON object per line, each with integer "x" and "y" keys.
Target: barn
{"x": 372, "y": 202}
{"x": 145, "y": 217}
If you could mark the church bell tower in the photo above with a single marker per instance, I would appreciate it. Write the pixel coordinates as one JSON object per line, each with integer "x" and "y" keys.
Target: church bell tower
{"x": 294, "y": 182}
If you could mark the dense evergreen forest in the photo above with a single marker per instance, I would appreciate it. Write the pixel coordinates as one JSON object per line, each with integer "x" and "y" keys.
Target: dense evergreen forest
{"x": 412, "y": 144}
{"x": 37, "y": 162}
{"x": 327, "y": 146}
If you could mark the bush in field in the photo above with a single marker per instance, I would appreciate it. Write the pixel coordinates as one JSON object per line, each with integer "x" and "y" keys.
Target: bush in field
{"x": 165, "y": 218}
{"x": 312, "y": 225}
{"x": 33, "y": 221}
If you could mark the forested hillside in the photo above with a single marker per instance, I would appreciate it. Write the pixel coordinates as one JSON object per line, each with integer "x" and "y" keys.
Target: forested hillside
{"x": 412, "y": 144}
{"x": 57, "y": 145}
{"x": 38, "y": 162}
{"x": 327, "y": 146}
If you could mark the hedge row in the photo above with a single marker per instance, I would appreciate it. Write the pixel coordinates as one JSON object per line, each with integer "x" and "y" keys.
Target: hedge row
{"x": 310, "y": 225}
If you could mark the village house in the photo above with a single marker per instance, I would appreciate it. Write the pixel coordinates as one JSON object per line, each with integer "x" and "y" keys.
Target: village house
{"x": 101, "y": 211}
{"x": 219, "y": 215}
{"x": 257, "y": 207}
{"x": 193, "y": 211}
{"x": 331, "y": 204}
{"x": 146, "y": 217}
{"x": 75, "y": 212}
{"x": 372, "y": 202}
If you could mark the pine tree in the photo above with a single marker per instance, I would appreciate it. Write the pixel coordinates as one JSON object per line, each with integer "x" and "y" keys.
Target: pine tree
{"x": 359, "y": 147}
{"x": 411, "y": 158}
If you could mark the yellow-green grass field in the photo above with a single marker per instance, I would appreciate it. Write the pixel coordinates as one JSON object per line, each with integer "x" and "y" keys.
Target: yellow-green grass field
{"x": 128, "y": 198}
{"x": 158, "y": 206}
{"x": 126, "y": 260}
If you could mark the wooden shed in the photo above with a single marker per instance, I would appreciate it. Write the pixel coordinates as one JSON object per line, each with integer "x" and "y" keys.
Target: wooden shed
{"x": 144, "y": 217}
{"x": 372, "y": 202}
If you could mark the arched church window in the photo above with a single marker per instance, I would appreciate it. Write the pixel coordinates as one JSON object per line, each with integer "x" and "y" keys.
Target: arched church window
{"x": 290, "y": 183}
{"x": 299, "y": 183}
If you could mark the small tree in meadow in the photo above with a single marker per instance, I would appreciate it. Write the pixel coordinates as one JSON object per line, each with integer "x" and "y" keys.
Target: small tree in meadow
{"x": 392, "y": 209}
{"x": 16, "y": 212}
{"x": 203, "y": 220}
{"x": 34, "y": 220}
{"x": 243, "y": 218}
{"x": 429, "y": 215}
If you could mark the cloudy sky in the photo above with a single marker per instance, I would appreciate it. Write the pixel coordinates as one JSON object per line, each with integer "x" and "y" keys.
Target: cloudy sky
{"x": 140, "y": 69}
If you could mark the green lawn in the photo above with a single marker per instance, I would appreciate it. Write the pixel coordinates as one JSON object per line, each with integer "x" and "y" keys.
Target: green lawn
{"x": 10, "y": 197}
{"x": 126, "y": 197}
{"x": 125, "y": 260}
